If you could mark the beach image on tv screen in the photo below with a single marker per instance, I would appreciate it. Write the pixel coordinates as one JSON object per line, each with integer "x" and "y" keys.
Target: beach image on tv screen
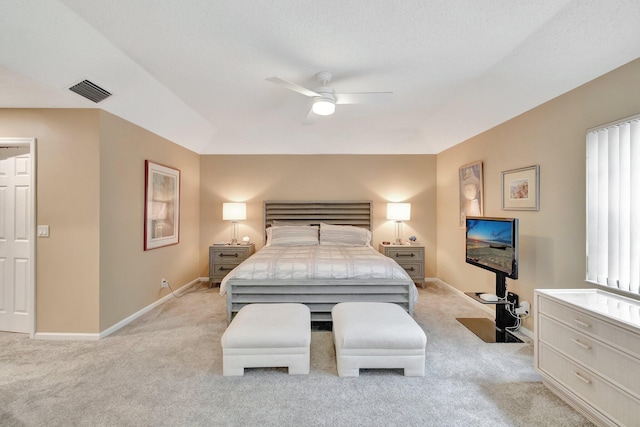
{"x": 490, "y": 243}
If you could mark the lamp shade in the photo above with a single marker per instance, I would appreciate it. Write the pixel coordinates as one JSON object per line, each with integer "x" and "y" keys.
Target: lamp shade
{"x": 399, "y": 211}
{"x": 234, "y": 211}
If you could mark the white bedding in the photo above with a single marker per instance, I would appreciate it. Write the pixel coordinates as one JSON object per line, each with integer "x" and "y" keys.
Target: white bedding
{"x": 317, "y": 262}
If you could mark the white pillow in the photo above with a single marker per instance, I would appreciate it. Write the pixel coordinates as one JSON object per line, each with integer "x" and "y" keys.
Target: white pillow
{"x": 280, "y": 224}
{"x": 294, "y": 235}
{"x": 269, "y": 236}
{"x": 344, "y": 235}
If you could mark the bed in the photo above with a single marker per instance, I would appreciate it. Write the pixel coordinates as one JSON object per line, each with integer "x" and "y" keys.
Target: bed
{"x": 317, "y": 253}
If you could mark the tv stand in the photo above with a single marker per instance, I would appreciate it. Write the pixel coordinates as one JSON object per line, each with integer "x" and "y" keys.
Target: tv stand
{"x": 484, "y": 328}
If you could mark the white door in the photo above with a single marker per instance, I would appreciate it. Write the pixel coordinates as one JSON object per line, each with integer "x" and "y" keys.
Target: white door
{"x": 16, "y": 239}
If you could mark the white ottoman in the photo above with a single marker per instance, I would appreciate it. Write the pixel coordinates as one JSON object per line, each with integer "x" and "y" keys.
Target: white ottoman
{"x": 268, "y": 335}
{"x": 377, "y": 335}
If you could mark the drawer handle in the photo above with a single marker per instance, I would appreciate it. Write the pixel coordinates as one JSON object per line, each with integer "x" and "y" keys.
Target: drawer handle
{"x": 410, "y": 269}
{"x": 398, "y": 255}
{"x": 581, "y": 323}
{"x": 583, "y": 345}
{"x": 581, "y": 378}
{"x": 225, "y": 269}
{"x": 222, "y": 255}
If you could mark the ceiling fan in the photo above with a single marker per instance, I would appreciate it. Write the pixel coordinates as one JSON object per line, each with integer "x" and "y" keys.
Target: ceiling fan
{"x": 325, "y": 98}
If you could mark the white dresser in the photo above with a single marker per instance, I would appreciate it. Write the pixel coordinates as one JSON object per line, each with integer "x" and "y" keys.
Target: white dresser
{"x": 587, "y": 348}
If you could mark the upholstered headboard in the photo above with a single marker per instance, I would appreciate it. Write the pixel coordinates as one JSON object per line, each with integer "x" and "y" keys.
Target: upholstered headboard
{"x": 338, "y": 212}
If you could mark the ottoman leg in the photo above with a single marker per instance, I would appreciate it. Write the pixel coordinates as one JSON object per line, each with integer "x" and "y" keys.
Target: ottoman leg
{"x": 415, "y": 367}
{"x": 414, "y": 372}
{"x": 299, "y": 363}
{"x": 347, "y": 368}
{"x": 349, "y": 372}
{"x": 236, "y": 372}
{"x": 299, "y": 367}
{"x": 231, "y": 368}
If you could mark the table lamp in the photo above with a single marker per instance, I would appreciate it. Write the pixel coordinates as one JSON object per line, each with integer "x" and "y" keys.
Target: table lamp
{"x": 234, "y": 212}
{"x": 399, "y": 212}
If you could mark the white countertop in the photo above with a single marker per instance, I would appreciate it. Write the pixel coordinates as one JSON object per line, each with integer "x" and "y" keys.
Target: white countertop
{"x": 622, "y": 309}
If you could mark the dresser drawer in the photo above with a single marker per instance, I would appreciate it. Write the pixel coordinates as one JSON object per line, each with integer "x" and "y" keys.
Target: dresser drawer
{"x": 414, "y": 269}
{"x": 604, "y": 331}
{"x": 223, "y": 259}
{"x": 220, "y": 270}
{"x": 603, "y": 359}
{"x": 617, "y": 405}
{"x": 405, "y": 254}
{"x": 229, "y": 255}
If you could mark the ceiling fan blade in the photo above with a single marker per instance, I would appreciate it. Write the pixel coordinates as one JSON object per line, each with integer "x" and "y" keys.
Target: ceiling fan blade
{"x": 310, "y": 119}
{"x": 363, "y": 97}
{"x": 292, "y": 86}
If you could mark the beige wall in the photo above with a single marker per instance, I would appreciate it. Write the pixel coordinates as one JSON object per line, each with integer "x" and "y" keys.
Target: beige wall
{"x": 129, "y": 276}
{"x": 552, "y": 252}
{"x": 253, "y": 179}
{"x": 92, "y": 272}
{"x": 68, "y": 200}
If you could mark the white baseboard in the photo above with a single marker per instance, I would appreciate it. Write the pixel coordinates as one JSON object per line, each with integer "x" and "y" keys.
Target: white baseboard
{"x": 150, "y": 307}
{"x": 62, "y": 336}
{"x": 524, "y": 331}
{"x": 65, "y": 336}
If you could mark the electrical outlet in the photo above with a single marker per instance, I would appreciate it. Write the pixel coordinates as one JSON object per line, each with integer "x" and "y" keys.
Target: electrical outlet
{"x": 164, "y": 283}
{"x": 524, "y": 308}
{"x": 513, "y": 299}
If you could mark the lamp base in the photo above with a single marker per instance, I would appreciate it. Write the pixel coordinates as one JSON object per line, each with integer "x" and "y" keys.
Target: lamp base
{"x": 398, "y": 232}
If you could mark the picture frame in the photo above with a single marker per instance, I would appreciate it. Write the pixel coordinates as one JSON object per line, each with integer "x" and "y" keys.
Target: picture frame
{"x": 161, "y": 206}
{"x": 521, "y": 189}
{"x": 471, "y": 191}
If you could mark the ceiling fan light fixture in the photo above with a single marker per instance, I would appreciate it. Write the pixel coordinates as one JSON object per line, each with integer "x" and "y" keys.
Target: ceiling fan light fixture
{"x": 324, "y": 106}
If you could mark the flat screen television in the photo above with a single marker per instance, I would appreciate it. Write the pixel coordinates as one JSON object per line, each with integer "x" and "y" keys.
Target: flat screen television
{"x": 492, "y": 244}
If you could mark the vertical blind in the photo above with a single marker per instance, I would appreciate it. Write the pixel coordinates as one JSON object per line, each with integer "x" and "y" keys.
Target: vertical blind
{"x": 613, "y": 205}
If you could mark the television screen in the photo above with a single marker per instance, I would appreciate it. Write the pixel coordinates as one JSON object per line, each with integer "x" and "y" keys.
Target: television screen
{"x": 492, "y": 244}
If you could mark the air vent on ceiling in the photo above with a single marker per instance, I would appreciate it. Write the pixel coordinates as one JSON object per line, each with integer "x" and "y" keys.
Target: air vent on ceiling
{"x": 91, "y": 91}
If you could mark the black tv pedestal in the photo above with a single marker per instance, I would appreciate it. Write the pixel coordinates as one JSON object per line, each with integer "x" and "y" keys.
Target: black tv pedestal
{"x": 487, "y": 330}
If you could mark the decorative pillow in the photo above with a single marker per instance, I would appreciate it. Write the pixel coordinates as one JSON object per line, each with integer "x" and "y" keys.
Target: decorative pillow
{"x": 294, "y": 235}
{"x": 268, "y": 243}
{"x": 344, "y": 235}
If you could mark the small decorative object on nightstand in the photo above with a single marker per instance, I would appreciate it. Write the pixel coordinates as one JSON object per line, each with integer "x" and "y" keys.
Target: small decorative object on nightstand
{"x": 224, "y": 258}
{"x": 410, "y": 257}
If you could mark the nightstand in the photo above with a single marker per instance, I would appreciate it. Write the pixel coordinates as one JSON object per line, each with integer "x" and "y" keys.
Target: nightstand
{"x": 410, "y": 257}
{"x": 224, "y": 258}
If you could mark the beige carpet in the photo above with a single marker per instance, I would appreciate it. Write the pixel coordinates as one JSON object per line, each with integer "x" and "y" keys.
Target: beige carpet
{"x": 165, "y": 369}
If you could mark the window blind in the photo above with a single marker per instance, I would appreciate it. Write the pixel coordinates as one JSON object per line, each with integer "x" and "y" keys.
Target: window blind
{"x": 613, "y": 205}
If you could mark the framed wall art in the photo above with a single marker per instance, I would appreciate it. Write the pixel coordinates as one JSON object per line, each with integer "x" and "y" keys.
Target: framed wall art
{"x": 161, "y": 206}
{"x": 521, "y": 189}
{"x": 471, "y": 195}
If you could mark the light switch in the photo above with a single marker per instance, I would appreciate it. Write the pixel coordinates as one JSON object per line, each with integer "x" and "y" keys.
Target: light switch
{"x": 43, "y": 231}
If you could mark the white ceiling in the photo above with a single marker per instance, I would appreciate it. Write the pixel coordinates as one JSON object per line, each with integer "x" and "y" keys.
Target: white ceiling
{"x": 193, "y": 71}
